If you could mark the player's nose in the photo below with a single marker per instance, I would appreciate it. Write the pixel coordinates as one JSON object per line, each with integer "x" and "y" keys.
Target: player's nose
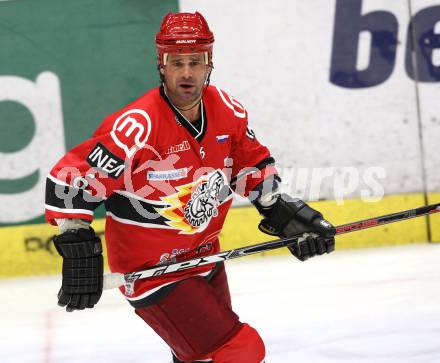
{"x": 186, "y": 71}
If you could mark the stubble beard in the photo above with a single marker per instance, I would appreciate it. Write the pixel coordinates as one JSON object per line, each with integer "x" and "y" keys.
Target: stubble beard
{"x": 184, "y": 100}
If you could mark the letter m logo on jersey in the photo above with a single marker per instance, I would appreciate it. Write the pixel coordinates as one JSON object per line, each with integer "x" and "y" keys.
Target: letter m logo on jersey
{"x": 131, "y": 130}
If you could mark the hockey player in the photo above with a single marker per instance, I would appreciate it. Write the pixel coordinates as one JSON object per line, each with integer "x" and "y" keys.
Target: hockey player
{"x": 165, "y": 166}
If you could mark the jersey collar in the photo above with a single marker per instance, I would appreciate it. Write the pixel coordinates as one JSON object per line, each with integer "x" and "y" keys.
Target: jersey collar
{"x": 198, "y": 128}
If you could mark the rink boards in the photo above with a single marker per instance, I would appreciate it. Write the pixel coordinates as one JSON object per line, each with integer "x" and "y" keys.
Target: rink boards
{"x": 28, "y": 250}
{"x": 337, "y": 90}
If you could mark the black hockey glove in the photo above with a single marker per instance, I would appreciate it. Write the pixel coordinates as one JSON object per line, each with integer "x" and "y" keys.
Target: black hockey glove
{"x": 83, "y": 268}
{"x": 288, "y": 217}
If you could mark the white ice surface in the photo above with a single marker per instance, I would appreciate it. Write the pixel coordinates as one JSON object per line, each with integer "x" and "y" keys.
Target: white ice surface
{"x": 378, "y": 305}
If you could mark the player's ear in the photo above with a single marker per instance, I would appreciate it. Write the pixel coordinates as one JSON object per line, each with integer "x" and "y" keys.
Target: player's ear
{"x": 161, "y": 70}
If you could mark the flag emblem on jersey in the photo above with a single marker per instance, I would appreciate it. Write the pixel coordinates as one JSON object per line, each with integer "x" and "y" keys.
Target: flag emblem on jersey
{"x": 195, "y": 204}
{"x": 222, "y": 138}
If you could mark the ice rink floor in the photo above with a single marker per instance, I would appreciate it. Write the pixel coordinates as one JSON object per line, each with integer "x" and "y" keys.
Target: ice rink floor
{"x": 377, "y": 305}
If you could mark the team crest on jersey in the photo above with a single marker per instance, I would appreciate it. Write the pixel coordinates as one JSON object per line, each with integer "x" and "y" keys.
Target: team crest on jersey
{"x": 195, "y": 204}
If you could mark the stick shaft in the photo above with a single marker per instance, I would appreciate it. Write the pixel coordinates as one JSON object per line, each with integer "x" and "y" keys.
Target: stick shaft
{"x": 388, "y": 218}
{"x": 113, "y": 280}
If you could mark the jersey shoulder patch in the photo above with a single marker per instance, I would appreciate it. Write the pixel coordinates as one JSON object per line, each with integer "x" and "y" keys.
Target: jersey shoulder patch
{"x": 237, "y": 108}
{"x": 130, "y": 127}
{"x": 131, "y": 130}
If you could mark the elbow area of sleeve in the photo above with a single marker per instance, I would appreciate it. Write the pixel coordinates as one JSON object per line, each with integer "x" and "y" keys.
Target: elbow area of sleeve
{"x": 249, "y": 178}
{"x": 65, "y": 201}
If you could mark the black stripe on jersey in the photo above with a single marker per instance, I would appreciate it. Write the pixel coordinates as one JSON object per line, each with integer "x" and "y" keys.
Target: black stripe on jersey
{"x": 268, "y": 161}
{"x": 135, "y": 210}
{"x": 66, "y": 197}
{"x": 260, "y": 166}
{"x": 197, "y": 129}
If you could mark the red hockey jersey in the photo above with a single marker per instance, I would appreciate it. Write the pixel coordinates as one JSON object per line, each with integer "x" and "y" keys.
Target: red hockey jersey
{"x": 166, "y": 184}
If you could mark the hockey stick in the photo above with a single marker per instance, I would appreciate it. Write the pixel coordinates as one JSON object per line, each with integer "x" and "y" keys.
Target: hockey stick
{"x": 116, "y": 279}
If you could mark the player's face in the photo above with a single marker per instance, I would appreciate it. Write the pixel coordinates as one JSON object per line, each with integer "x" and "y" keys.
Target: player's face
{"x": 185, "y": 75}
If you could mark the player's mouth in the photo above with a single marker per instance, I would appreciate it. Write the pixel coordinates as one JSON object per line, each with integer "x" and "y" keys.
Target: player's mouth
{"x": 187, "y": 86}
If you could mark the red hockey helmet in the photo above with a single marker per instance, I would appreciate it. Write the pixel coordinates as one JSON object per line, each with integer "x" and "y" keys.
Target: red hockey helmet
{"x": 184, "y": 33}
